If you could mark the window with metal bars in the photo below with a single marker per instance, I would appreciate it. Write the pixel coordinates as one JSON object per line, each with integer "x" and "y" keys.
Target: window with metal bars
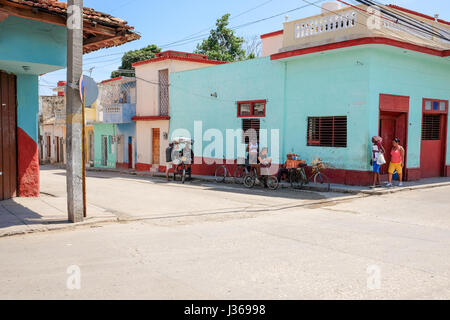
{"x": 163, "y": 77}
{"x": 431, "y": 127}
{"x": 251, "y": 128}
{"x": 327, "y": 132}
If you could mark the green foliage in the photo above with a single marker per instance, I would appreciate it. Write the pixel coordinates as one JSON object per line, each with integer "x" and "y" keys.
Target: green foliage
{"x": 222, "y": 44}
{"x": 135, "y": 56}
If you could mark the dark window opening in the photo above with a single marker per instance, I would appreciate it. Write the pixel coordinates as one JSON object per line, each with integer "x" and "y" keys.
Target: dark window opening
{"x": 251, "y": 128}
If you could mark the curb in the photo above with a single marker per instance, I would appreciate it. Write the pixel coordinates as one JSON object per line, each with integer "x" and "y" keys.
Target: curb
{"x": 43, "y": 228}
{"x": 334, "y": 188}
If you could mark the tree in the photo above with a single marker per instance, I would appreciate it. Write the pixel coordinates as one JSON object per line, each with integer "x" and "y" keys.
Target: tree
{"x": 253, "y": 47}
{"x": 132, "y": 57}
{"x": 222, "y": 44}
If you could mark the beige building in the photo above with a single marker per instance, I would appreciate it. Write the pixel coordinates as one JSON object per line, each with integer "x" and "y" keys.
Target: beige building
{"x": 153, "y": 103}
{"x": 339, "y": 24}
{"x": 52, "y": 127}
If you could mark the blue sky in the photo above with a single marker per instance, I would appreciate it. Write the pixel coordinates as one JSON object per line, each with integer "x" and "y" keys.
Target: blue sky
{"x": 164, "y": 22}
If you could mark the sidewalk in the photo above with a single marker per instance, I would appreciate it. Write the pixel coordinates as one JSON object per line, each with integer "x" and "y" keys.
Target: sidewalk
{"x": 339, "y": 188}
{"x": 27, "y": 215}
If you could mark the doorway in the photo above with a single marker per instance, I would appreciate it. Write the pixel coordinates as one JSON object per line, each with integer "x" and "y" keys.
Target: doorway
{"x": 130, "y": 152}
{"x": 104, "y": 151}
{"x": 8, "y": 136}
{"x": 434, "y": 138}
{"x": 58, "y": 160}
{"x": 156, "y": 146}
{"x": 394, "y": 115}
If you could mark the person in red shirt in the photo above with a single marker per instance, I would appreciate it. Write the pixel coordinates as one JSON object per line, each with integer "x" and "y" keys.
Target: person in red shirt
{"x": 397, "y": 162}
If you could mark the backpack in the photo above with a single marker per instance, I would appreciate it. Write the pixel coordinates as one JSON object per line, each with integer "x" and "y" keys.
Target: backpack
{"x": 169, "y": 154}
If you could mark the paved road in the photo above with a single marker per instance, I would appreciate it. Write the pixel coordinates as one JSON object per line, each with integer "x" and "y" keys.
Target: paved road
{"x": 393, "y": 246}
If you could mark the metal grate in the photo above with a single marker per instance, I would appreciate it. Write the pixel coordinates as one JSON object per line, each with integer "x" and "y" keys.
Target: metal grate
{"x": 251, "y": 128}
{"x": 327, "y": 132}
{"x": 163, "y": 92}
{"x": 431, "y": 127}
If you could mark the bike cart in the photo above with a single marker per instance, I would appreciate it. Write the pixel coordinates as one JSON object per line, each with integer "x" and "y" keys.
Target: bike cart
{"x": 182, "y": 158}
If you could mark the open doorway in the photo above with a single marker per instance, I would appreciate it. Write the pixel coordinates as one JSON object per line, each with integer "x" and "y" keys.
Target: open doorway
{"x": 394, "y": 117}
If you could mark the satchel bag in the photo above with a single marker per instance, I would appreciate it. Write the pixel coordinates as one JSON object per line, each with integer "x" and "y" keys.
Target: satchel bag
{"x": 381, "y": 159}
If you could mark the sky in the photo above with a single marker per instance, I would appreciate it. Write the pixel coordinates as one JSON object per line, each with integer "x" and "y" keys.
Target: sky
{"x": 165, "y": 22}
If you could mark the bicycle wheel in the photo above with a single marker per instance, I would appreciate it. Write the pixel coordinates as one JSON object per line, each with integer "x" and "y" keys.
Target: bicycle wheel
{"x": 296, "y": 179}
{"x": 221, "y": 174}
{"x": 323, "y": 180}
{"x": 249, "y": 181}
{"x": 239, "y": 175}
{"x": 272, "y": 183}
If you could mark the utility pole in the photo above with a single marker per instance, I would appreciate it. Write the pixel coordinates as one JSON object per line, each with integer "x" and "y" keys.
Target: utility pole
{"x": 74, "y": 119}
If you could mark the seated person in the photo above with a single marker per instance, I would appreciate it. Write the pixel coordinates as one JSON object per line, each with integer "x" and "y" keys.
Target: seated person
{"x": 264, "y": 162}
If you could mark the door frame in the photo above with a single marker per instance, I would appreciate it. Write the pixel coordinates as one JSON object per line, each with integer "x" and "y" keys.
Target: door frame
{"x": 393, "y": 104}
{"x": 444, "y": 115}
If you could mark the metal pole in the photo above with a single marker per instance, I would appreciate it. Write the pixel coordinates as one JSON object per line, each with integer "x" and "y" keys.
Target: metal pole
{"x": 84, "y": 154}
{"x": 74, "y": 119}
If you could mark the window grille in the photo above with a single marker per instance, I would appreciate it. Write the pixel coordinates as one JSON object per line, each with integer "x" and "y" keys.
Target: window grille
{"x": 327, "y": 132}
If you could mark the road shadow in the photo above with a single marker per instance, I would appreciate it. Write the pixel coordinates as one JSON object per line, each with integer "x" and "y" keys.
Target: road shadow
{"x": 14, "y": 214}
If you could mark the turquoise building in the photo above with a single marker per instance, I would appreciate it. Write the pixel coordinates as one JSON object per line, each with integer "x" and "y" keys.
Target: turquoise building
{"x": 325, "y": 99}
{"x": 33, "y": 42}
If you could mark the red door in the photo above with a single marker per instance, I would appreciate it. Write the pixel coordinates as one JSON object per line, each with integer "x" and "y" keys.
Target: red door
{"x": 392, "y": 125}
{"x": 394, "y": 112}
{"x": 8, "y": 137}
{"x": 434, "y": 125}
{"x": 130, "y": 156}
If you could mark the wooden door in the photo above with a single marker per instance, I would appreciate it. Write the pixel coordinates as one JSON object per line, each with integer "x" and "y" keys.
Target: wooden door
{"x": 104, "y": 151}
{"x": 49, "y": 147}
{"x": 432, "y": 154}
{"x": 58, "y": 160}
{"x": 8, "y": 137}
{"x": 155, "y": 146}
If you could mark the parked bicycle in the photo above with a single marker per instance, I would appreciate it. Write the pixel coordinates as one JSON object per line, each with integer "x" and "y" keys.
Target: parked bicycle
{"x": 298, "y": 177}
{"x": 224, "y": 171}
{"x": 252, "y": 179}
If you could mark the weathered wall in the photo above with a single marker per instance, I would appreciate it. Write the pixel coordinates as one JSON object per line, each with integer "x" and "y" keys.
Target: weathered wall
{"x": 344, "y": 82}
{"x": 108, "y": 130}
{"x": 38, "y": 45}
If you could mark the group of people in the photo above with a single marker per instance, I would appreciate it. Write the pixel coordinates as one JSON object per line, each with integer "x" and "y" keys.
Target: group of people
{"x": 396, "y": 164}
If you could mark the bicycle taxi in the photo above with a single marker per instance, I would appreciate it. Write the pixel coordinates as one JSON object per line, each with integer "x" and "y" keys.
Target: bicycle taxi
{"x": 182, "y": 158}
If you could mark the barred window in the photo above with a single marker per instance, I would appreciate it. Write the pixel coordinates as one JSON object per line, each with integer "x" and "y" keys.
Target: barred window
{"x": 431, "y": 127}
{"x": 251, "y": 128}
{"x": 327, "y": 132}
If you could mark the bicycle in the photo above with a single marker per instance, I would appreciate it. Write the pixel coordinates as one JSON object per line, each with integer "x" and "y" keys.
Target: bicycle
{"x": 252, "y": 179}
{"x": 184, "y": 170}
{"x": 298, "y": 177}
{"x": 222, "y": 173}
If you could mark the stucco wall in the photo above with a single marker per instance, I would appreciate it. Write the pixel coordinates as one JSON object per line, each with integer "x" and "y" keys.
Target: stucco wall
{"x": 416, "y": 75}
{"x": 258, "y": 79}
{"x": 345, "y": 82}
{"x": 100, "y": 130}
{"x": 127, "y": 130}
{"x": 144, "y": 140}
{"x": 39, "y": 45}
{"x": 272, "y": 45}
{"x": 147, "y": 92}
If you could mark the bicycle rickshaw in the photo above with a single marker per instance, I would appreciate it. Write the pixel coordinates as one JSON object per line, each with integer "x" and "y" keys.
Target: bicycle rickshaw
{"x": 182, "y": 158}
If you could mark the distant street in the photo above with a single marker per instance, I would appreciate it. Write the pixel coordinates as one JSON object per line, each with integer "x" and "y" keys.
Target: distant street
{"x": 208, "y": 241}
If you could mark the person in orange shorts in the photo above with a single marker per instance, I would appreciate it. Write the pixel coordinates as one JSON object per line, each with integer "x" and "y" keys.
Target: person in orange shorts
{"x": 397, "y": 162}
